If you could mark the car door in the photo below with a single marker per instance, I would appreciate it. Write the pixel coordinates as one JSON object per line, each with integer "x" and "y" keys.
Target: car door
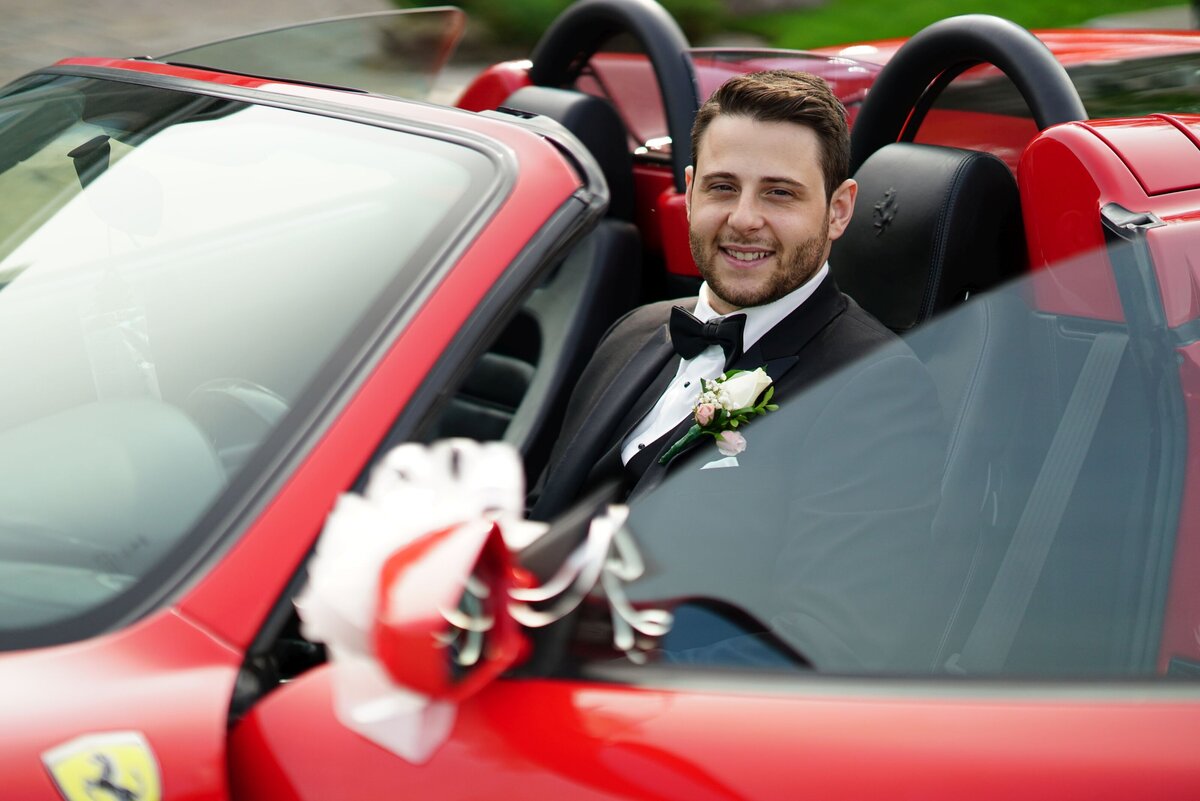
{"x": 834, "y": 635}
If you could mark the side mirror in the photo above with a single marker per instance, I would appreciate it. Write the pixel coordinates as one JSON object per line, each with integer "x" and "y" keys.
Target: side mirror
{"x": 443, "y": 628}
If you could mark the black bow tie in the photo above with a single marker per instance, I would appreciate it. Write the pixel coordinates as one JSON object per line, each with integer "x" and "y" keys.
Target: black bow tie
{"x": 690, "y": 336}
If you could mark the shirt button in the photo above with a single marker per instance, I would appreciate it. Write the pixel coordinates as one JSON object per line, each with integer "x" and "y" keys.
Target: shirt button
{"x": 641, "y": 445}
{"x": 687, "y": 384}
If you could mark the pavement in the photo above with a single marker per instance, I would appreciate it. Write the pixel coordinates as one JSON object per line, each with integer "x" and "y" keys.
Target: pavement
{"x": 34, "y": 33}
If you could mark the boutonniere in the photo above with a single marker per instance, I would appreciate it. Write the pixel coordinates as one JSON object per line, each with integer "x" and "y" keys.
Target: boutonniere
{"x": 726, "y": 402}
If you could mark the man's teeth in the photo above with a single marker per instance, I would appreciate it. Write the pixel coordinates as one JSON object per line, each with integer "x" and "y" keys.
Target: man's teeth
{"x": 750, "y": 256}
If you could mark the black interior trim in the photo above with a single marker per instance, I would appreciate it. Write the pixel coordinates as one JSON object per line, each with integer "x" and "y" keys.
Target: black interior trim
{"x": 579, "y": 32}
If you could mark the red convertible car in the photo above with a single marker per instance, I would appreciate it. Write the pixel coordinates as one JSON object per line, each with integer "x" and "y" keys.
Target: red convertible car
{"x": 234, "y": 279}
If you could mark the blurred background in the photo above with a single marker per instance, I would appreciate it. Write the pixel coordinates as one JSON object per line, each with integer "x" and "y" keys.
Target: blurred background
{"x": 34, "y": 33}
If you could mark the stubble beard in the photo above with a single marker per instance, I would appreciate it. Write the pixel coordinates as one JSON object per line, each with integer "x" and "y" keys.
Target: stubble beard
{"x": 797, "y": 266}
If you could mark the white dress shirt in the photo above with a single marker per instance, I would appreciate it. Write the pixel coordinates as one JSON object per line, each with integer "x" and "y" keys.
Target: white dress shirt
{"x": 680, "y": 396}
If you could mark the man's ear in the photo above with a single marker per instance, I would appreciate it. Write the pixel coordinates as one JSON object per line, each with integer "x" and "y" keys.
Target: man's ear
{"x": 689, "y": 174}
{"x": 841, "y": 207}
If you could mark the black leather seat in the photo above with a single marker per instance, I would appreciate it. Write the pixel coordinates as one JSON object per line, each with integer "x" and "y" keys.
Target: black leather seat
{"x": 520, "y": 387}
{"x": 596, "y": 124}
{"x": 933, "y": 227}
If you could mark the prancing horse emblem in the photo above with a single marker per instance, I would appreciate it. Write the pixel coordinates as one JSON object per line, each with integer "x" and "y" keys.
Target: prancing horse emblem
{"x": 885, "y": 211}
{"x": 114, "y": 766}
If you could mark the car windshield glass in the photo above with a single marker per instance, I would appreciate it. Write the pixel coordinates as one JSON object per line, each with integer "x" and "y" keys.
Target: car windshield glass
{"x": 398, "y": 53}
{"x": 176, "y": 271}
{"x": 983, "y": 497}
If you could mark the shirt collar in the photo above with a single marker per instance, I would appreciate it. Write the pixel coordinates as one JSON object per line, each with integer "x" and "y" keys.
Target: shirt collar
{"x": 761, "y": 319}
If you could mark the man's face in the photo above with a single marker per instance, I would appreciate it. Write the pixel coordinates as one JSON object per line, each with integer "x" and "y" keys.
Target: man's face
{"x": 758, "y": 220}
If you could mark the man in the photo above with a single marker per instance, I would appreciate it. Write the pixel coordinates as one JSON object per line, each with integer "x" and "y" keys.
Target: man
{"x": 766, "y": 197}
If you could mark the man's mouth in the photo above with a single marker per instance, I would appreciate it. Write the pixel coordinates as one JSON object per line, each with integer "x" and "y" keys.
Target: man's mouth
{"x": 746, "y": 255}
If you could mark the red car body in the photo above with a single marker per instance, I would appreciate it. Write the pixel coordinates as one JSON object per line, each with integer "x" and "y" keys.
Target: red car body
{"x": 171, "y": 674}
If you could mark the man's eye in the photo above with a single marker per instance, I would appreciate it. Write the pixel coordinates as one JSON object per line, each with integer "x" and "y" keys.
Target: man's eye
{"x": 781, "y": 193}
{"x": 720, "y": 188}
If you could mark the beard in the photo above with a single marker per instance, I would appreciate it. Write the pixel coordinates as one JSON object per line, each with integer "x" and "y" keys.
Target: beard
{"x": 796, "y": 266}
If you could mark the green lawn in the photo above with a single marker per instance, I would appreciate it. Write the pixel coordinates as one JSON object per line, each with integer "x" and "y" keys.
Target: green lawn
{"x": 861, "y": 20}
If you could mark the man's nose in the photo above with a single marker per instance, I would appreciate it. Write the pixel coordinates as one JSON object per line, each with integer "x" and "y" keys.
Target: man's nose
{"x": 746, "y": 215}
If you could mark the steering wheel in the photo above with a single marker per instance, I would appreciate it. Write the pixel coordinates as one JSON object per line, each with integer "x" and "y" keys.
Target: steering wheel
{"x": 910, "y": 82}
{"x": 579, "y": 32}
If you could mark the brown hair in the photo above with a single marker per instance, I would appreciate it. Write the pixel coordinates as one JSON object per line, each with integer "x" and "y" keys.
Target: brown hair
{"x": 785, "y": 96}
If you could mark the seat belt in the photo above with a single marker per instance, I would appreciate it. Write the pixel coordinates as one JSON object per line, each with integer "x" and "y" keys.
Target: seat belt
{"x": 992, "y": 637}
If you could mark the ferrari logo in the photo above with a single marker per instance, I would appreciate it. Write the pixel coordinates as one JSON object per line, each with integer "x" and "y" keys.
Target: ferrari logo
{"x": 115, "y": 766}
{"x": 884, "y": 211}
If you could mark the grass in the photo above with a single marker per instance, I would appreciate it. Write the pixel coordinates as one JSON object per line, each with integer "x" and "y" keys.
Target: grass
{"x": 863, "y": 20}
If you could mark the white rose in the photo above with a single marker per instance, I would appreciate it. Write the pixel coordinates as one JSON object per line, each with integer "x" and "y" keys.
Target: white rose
{"x": 743, "y": 389}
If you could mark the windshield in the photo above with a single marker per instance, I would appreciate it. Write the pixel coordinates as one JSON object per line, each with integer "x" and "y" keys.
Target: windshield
{"x": 176, "y": 271}
{"x": 975, "y": 499}
{"x": 398, "y": 53}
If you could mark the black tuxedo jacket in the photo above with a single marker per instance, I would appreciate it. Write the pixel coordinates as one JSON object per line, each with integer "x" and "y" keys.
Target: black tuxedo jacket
{"x": 635, "y": 362}
{"x": 843, "y": 481}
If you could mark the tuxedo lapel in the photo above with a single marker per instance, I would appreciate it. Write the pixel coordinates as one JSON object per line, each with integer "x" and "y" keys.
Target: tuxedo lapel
{"x": 611, "y": 460}
{"x": 601, "y": 423}
{"x": 655, "y": 450}
{"x": 782, "y": 345}
{"x": 651, "y": 392}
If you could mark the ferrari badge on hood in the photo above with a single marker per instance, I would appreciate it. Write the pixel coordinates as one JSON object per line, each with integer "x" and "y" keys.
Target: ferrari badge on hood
{"x": 117, "y": 765}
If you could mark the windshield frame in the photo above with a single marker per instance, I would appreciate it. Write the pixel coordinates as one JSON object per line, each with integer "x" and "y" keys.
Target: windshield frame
{"x": 298, "y": 71}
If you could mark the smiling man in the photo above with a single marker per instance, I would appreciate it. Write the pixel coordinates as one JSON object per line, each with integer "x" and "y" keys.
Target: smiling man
{"x": 768, "y": 194}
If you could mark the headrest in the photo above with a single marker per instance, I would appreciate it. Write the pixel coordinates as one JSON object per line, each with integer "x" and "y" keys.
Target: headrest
{"x": 931, "y": 225}
{"x": 594, "y": 122}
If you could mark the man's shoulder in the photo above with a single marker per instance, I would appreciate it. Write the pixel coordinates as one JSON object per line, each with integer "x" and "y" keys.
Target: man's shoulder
{"x": 852, "y": 342}
{"x": 856, "y": 332}
{"x": 637, "y": 325}
{"x": 647, "y": 318}
{"x": 624, "y": 339}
